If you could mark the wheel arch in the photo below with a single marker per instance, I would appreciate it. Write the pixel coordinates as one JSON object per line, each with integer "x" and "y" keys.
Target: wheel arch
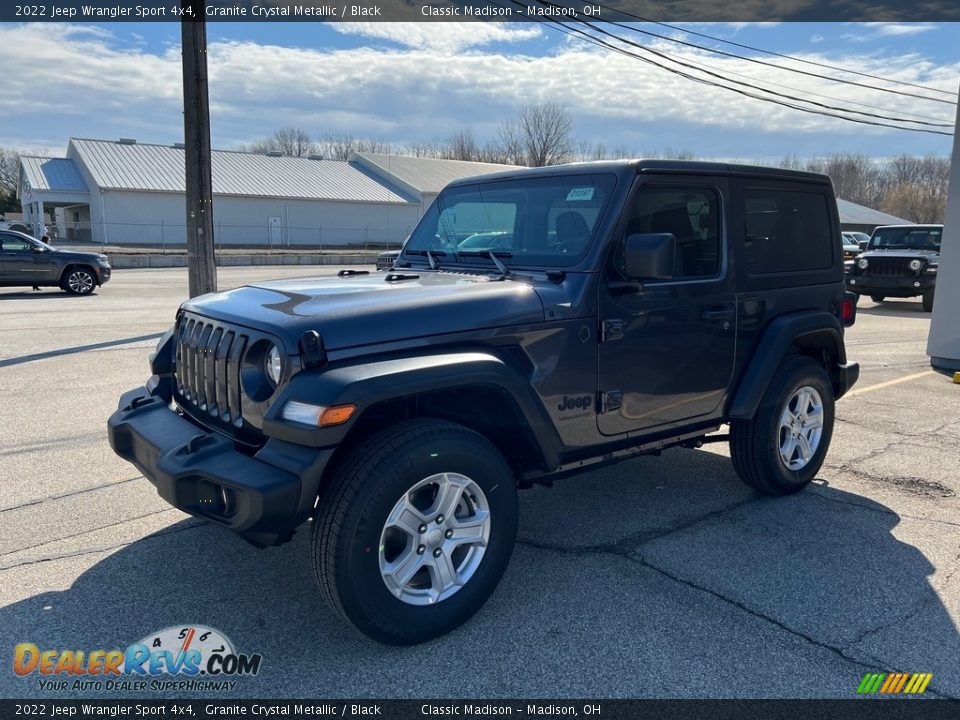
{"x": 487, "y": 392}
{"x": 73, "y": 264}
{"x": 818, "y": 335}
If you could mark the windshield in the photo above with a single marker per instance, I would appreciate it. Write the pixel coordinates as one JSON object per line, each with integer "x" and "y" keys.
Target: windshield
{"x": 547, "y": 221}
{"x": 906, "y": 238}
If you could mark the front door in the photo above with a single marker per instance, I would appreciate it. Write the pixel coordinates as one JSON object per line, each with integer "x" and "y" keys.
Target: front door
{"x": 667, "y": 347}
{"x": 20, "y": 264}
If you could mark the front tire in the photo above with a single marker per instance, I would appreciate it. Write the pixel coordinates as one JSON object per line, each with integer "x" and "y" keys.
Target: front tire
{"x": 878, "y": 298}
{"x": 414, "y": 530}
{"x": 928, "y": 301}
{"x": 781, "y": 449}
{"x": 79, "y": 281}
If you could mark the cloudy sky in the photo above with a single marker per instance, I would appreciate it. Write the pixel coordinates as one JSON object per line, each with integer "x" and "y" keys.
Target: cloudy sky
{"x": 408, "y": 83}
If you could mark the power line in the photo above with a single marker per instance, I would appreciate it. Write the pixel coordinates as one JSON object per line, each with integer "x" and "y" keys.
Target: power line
{"x": 773, "y": 53}
{"x": 551, "y": 22}
{"x": 716, "y": 51}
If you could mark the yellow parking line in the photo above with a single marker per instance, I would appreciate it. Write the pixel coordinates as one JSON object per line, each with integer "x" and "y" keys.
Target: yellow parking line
{"x": 888, "y": 383}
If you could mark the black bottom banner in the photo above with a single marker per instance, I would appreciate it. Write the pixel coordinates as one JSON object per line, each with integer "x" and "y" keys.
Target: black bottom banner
{"x": 865, "y": 709}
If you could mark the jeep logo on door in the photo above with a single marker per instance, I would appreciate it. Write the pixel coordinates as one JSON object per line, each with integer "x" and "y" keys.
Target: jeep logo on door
{"x": 583, "y": 402}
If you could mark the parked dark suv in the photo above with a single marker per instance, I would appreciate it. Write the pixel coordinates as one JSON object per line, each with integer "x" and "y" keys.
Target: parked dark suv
{"x": 900, "y": 261}
{"x": 26, "y": 261}
{"x": 621, "y": 308}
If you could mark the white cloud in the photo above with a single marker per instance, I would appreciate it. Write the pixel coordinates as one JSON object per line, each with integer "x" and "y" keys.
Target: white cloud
{"x": 817, "y": 39}
{"x": 72, "y": 82}
{"x": 888, "y": 29}
{"x": 448, "y": 37}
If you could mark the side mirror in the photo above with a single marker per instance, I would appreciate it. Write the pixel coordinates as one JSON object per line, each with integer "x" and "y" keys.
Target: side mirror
{"x": 38, "y": 249}
{"x": 649, "y": 256}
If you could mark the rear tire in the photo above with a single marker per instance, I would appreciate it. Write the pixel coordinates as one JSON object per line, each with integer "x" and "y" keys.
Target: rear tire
{"x": 782, "y": 447}
{"x": 79, "y": 280}
{"x": 389, "y": 554}
{"x": 878, "y": 298}
{"x": 928, "y": 301}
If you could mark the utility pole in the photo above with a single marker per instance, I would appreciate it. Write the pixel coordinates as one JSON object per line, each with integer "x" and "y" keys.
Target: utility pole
{"x": 201, "y": 262}
{"x": 943, "y": 343}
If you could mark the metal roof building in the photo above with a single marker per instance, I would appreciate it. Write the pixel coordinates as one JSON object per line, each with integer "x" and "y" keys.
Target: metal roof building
{"x": 865, "y": 219}
{"x": 127, "y": 192}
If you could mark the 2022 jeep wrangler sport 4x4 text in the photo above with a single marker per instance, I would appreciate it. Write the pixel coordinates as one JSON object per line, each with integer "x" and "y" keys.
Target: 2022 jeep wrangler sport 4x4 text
{"x": 537, "y": 322}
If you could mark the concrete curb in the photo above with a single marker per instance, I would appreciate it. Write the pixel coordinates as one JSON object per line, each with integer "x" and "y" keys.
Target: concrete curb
{"x": 125, "y": 261}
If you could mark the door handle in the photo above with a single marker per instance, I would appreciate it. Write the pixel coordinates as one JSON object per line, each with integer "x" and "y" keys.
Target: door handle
{"x": 716, "y": 315}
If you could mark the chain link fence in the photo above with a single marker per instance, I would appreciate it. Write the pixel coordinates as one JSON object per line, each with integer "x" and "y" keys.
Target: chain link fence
{"x": 164, "y": 237}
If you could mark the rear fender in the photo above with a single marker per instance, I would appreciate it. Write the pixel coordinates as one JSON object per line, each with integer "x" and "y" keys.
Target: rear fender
{"x": 812, "y": 333}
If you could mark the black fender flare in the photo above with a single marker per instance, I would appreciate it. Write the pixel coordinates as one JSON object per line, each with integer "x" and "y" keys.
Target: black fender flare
{"x": 370, "y": 382}
{"x": 816, "y": 329}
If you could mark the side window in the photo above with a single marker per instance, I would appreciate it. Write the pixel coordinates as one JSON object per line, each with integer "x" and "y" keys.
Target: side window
{"x": 11, "y": 243}
{"x": 787, "y": 231}
{"x": 692, "y": 216}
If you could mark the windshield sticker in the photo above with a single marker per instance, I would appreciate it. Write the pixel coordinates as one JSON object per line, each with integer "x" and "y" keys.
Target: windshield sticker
{"x": 580, "y": 194}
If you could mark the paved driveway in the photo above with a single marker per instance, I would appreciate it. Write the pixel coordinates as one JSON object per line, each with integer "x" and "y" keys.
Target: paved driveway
{"x": 659, "y": 577}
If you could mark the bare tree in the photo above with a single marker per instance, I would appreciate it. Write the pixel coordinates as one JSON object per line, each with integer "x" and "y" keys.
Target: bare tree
{"x": 9, "y": 177}
{"x": 461, "y": 146}
{"x": 372, "y": 145}
{"x": 510, "y": 146}
{"x": 545, "y": 130}
{"x": 336, "y": 145}
{"x": 289, "y": 141}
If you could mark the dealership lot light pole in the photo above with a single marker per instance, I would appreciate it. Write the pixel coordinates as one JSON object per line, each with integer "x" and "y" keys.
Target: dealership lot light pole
{"x": 196, "y": 126}
{"x": 943, "y": 343}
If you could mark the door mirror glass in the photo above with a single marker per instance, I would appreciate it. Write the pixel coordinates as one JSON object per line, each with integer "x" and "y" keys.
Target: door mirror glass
{"x": 649, "y": 256}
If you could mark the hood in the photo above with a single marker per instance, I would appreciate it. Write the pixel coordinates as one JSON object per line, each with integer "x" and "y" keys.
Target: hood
{"x": 366, "y": 309}
{"x": 928, "y": 255}
{"x": 73, "y": 255}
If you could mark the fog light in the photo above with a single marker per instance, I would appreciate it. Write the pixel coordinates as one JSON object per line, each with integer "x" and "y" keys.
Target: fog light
{"x": 852, "y": 281}
{"x": 916, "y": 284}
{"x": 226, "y": 500}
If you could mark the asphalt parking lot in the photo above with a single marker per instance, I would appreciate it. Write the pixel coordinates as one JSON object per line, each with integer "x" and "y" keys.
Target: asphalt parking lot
{"x": 659, "y": 577}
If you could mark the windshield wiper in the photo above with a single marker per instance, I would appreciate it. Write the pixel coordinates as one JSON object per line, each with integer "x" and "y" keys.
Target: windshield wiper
{"x": 494, "y": 255}
{"x": 431, "y": 256}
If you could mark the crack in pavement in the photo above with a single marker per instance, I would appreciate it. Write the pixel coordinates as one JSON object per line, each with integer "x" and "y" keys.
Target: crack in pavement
{"x": 93, "y": 551}
{"x": 86, "y": 532}
{"x": 50, "y": 444}
{"x": 620, "y": 549}
{"x": 49, "y": 498}
{"x": 643, "y": 536}
{"x": 882, "y": 511}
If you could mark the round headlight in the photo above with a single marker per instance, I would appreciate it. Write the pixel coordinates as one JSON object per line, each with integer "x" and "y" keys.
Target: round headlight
{"x": 274, "y": 365}
{"x": 862, "y": 263}
{"x": 916, "y": 265}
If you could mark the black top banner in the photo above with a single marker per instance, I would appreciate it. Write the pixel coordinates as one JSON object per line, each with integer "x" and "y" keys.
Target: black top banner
{"x": 564, "y": 11}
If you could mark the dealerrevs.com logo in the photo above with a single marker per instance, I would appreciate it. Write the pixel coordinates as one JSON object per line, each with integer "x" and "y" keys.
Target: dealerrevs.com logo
{"x": 185, "y": 657}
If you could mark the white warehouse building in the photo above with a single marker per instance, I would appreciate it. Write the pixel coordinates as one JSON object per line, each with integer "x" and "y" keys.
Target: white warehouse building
{"x": 125, "y": 192}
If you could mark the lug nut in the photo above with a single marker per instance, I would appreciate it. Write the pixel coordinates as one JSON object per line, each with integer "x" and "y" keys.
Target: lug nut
{"x": 448, "y": 534}
{"x": 422, "y": 529}
{"x": 439, "y": 519}
{"x": 421, "y": 550}
{"x": 438, "y": 552}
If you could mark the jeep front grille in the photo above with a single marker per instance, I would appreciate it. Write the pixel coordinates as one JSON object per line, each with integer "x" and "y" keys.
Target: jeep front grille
{"x": 889, "y": 267}
{"x": 208, "y": 368}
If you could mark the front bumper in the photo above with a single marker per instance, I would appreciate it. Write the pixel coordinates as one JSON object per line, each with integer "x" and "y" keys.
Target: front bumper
{"x": 263, "y": 497}
{"x": 891, "y": 286}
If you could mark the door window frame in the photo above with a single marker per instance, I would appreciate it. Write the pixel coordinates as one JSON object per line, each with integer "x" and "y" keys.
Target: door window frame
{"x": 692, "y": 182}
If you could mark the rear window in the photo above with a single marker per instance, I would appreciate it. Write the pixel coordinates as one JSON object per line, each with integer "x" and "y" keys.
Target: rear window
{"x": 787, "y": 231}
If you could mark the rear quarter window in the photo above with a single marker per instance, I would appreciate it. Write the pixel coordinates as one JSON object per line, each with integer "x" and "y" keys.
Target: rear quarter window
{"x": 787, "y": 231}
